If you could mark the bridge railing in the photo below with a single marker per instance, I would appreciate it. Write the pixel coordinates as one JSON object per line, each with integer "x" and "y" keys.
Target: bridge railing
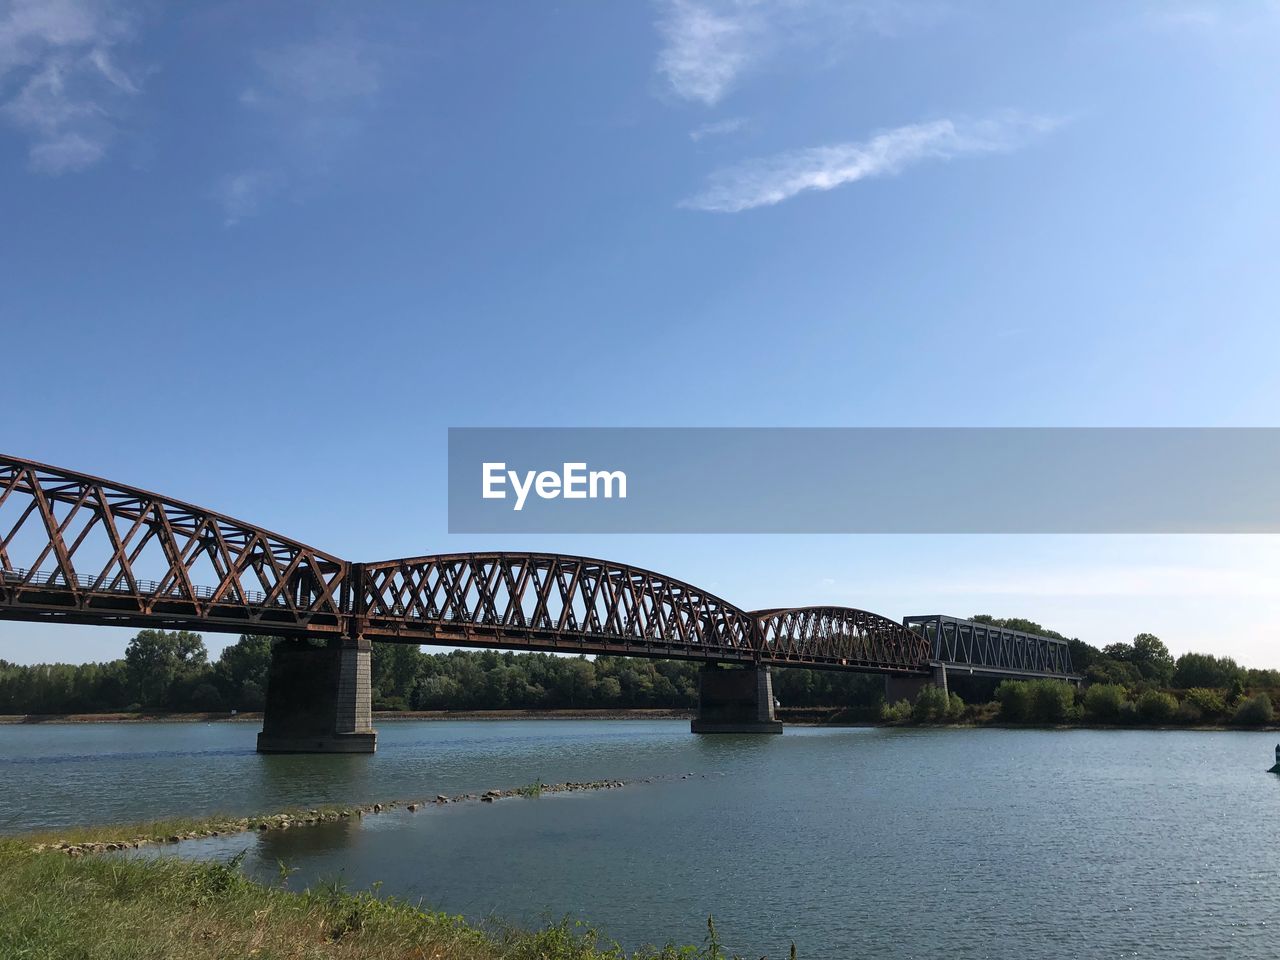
{"x": 20, "y": 576}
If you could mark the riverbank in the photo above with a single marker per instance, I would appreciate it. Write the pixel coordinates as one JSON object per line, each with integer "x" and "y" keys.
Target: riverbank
{"x": 791, "y": 717}
{"x": 112, "y": 908}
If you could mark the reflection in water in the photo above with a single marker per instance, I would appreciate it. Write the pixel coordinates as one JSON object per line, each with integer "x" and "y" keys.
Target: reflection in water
{"x": 298, "y": 844}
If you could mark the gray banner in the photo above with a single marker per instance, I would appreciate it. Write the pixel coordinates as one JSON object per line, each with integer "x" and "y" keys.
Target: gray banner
{"x": 864, "y": 480}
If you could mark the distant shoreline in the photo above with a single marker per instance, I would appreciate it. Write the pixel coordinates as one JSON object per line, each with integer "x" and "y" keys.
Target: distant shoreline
{"x": 380, "y": 716}
{"x": 794, "y": 717}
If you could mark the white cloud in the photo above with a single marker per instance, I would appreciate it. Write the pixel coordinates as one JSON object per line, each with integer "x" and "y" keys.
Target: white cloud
{"x": 718, "y": 129}
{"x": 309, "y": 98}
{"x": 708, "y": 45}
{"x": 706, "y": 48}
{"x": 770, "y": 180}
{"x": 60, "y": 83}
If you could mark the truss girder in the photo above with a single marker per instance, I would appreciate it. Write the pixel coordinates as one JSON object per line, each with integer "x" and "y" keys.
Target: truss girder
{"x": 549, "y": 601}
{"x": 966, "y": 643}
{"x": 99, "y": 552}
{"x": 839, "y": 636}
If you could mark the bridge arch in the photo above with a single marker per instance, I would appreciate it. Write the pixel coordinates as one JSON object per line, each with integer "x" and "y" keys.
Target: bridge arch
{"x": 78, "y": 548}
{"x": 839, "y": 637}
{"x": 549, "y": 601}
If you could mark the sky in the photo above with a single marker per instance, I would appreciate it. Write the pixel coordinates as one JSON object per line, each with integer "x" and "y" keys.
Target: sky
{"x": 261, "y": 256}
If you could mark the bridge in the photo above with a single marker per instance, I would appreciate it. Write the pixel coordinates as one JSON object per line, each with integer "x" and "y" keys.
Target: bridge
{"x": 75, "y": 548}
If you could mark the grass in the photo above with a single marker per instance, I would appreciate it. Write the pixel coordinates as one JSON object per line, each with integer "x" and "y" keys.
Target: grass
{"x": 55, "y": 907}
{"x": 530, "y": 789}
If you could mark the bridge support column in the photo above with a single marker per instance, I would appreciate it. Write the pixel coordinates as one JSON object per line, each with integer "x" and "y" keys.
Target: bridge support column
{"x": 735, "y": 701}
{"x": 908, "y": 688}
{"x": 319, "y": 699}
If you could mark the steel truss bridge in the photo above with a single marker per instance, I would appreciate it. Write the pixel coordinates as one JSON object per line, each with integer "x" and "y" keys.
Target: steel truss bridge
{"x": 76, "y": 548}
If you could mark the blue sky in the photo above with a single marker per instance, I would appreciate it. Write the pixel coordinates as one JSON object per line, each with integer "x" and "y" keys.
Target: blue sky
{"x": 262, "y": 256}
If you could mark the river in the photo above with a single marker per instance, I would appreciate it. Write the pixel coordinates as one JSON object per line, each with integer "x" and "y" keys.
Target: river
{"x": 850, "y": 842}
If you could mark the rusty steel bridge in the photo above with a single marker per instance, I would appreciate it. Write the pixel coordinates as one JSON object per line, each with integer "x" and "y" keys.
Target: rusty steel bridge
{"x": 75, "y": 548}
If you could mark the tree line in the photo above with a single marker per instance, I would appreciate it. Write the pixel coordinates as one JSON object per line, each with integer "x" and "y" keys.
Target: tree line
{"x": 172, "y": 671}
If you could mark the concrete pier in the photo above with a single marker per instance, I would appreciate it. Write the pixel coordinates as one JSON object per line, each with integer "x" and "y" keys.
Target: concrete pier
{"x": 319, "y": 699}
{"x": 908, "y": 688}
{"x": 735, "y": 700}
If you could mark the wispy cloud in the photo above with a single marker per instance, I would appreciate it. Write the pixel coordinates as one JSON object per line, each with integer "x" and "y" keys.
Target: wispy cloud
{"x": 706, "y": 49}
{"x": 60, "y": 82}
{"x": 708, "y": 45}
{"x": 309, "y": 98}
{"x": 325, "y": 71}
{"x": 720, "y": 128}
{"x": 769, "y": 180}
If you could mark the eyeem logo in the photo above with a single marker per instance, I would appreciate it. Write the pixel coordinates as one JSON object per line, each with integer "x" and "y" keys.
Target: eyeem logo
{"x": 574, "y": 482}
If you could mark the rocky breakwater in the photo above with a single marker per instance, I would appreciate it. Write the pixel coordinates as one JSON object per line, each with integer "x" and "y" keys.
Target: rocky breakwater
{"x": 304, "y": 818}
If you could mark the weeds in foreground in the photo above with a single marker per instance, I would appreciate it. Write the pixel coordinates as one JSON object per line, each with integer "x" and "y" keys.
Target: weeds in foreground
{"x": 111, "y": 908}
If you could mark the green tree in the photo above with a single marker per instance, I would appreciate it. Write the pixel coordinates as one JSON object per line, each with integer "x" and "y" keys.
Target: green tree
{"x": 1152, "y": 658}
{"x": 1156, "y": 706}
{"x": 1204, "y": 670}
{"x": 1104, "y": 701}
{"x": 1208, "y": 703}
{"x": 395, "y": 670}
{"x": 242, "y": 669}
{"x": 157, "y": 660}
{"x": 931, "y": 706}
{"x": 1035, "y": 701}
{"x": 1256, "y": 711}
{"x": 1015, "y": 701}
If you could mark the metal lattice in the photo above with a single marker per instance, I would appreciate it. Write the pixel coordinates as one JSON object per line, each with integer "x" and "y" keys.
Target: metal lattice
{"x": 839, "y": 636}
{"x": 82, "y": 549}
{"x": 982, "y": 648}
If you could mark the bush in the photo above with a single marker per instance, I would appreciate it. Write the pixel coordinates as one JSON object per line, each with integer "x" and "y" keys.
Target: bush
{"x": 1103, "y": 702}
{"x": 1254, "y": 712}
{"x": 1189, "y": 714}
{"x": 1035, "y": 701}
{"x": 1208, "y": 702}
{"x": 1052, "y": 701}
{"x": 895, "y": 712}
{"x": 1014, "y": 700}
{"x": 955, "y": 707}
{"x": 931, "y": 706}
{"x": 1156, "y": 706}
{"x": 1128, "y": 713}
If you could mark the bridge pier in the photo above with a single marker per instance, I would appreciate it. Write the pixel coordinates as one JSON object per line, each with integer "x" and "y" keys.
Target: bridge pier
{"x": 908, "y": 688}
{"x": 735, "y": 700}
{"x": 319, "y": 699}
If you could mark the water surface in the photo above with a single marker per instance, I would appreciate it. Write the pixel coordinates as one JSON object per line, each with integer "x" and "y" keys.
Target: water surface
{"x": 852, "y": 843}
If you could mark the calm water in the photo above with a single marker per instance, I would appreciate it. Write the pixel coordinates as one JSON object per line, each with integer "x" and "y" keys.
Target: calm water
{"x": 852, "y": 843}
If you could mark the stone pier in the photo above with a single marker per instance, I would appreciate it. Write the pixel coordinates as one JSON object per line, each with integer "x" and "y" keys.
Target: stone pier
{"x": 735, "y": 700}
{"x": 908, "y": 688}
{"x": 318, "y": 699}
